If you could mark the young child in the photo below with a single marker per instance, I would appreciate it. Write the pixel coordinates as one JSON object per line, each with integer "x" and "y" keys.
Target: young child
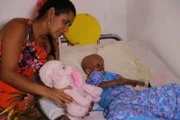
{"x": 121, "y": 102}
{"x": 95, "y": 63}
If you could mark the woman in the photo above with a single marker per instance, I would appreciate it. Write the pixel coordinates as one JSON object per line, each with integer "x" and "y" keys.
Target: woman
{"x": 24, "y": 48}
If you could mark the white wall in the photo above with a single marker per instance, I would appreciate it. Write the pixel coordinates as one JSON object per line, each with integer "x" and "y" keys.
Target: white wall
{"x": 157, "y": 22}
{"x": 111, "y": 15}
{"x": 15, "y": 8}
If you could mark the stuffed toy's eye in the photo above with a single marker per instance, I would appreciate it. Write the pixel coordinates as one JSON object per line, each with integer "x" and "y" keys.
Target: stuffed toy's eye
{"x": 63, "y": 67}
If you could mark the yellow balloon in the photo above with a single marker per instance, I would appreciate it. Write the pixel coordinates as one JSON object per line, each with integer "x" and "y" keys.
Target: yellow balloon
{"x": 84, "y": 30}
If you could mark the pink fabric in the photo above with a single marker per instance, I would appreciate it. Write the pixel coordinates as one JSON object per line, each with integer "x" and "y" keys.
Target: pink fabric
{"x": 77, "y": 78}
{"x": 54, "y": 74}
{"x": 39, "y": 4}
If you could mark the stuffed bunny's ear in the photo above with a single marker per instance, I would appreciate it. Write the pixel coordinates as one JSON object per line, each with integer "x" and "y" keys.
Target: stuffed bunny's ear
{"x": 77, "y": 78}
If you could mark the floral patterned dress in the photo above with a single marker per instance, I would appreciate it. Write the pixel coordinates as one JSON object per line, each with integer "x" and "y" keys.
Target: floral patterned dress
{"x": 13, "y": 102}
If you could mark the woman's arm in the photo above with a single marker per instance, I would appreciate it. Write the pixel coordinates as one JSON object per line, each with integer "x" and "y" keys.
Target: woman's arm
{"x": 121, "y": 81}
{"x": 14, "y": 35}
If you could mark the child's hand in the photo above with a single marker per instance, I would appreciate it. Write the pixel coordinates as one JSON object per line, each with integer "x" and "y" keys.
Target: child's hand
{"x": 147, "y": 84}
{"x": 141, "y": 83}
{"x": 138, "y": 83}
{"x": 140, "y": 86}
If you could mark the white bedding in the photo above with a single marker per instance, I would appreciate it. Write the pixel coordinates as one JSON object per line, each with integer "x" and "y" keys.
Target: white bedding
{"x": 118, "y": 57}
{"x": 161, "y": 74}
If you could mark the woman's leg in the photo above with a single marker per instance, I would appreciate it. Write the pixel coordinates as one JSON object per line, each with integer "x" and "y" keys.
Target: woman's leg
{"x": 12, "y": 101}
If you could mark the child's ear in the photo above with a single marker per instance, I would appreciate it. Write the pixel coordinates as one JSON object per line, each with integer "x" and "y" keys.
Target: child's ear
{"x": 87, "y": 71}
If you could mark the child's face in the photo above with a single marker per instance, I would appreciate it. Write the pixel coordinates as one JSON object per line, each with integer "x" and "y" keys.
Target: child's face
{"x": 93, "y": 63}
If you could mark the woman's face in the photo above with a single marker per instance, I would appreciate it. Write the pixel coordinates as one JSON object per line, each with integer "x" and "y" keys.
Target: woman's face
{"x": 59, "y": 24}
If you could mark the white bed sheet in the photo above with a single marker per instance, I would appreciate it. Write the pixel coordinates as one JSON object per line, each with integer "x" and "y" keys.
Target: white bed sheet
{"x": 161, "y": 74}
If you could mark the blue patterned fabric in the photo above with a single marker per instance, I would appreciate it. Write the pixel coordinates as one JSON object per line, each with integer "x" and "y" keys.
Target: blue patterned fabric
{"x": 96, "y": 78}
{"x": 156, "y": 103}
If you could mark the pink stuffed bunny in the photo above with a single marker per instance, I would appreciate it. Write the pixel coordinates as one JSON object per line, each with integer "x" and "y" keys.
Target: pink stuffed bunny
{"x": 55, "y": 75}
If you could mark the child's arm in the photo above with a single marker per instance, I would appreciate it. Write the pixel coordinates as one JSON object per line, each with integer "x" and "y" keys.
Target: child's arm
{"x": 96, "y": 79}
{"x": 126, "y": 81}
{"x": 121, "y": 81}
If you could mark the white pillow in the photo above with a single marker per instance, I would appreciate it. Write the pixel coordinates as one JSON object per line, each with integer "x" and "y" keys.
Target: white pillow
{"x": 73, "y": 55}
{"x": 117, "y": 56}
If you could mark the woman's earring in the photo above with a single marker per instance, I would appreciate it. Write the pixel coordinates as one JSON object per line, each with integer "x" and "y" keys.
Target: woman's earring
{"x": 49, "y": 23}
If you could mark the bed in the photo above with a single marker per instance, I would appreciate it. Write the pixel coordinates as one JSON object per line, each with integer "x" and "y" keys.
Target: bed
{"x": 136, "y": 61}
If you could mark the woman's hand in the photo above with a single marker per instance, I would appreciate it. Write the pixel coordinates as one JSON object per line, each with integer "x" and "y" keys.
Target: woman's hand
{"x": 59, "y": 96}
{"x": 90, "y": 108}
{"x": 62, "y": 117}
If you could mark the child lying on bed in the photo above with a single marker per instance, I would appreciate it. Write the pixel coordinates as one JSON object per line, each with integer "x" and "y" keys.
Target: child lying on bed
{"x": 95, "y": 62}
{"x": 121, "y": 102}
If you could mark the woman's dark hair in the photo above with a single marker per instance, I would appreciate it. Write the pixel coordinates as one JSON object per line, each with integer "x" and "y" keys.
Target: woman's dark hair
{"x": 60, "y": 6}
{"x": 53, "y": 50}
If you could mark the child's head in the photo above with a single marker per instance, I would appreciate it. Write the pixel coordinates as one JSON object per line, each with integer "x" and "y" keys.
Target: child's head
{"x": 93, "y": 63}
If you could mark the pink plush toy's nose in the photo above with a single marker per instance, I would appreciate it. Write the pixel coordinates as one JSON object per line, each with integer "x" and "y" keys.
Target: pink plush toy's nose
{"x": 77, "y": 78}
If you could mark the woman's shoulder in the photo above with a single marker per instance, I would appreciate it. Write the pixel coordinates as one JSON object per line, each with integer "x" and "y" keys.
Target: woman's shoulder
{"x": 15, "y": 23}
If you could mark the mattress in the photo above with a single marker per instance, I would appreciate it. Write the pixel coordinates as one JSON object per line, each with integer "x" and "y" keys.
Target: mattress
{"x": 160, "y": 73}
